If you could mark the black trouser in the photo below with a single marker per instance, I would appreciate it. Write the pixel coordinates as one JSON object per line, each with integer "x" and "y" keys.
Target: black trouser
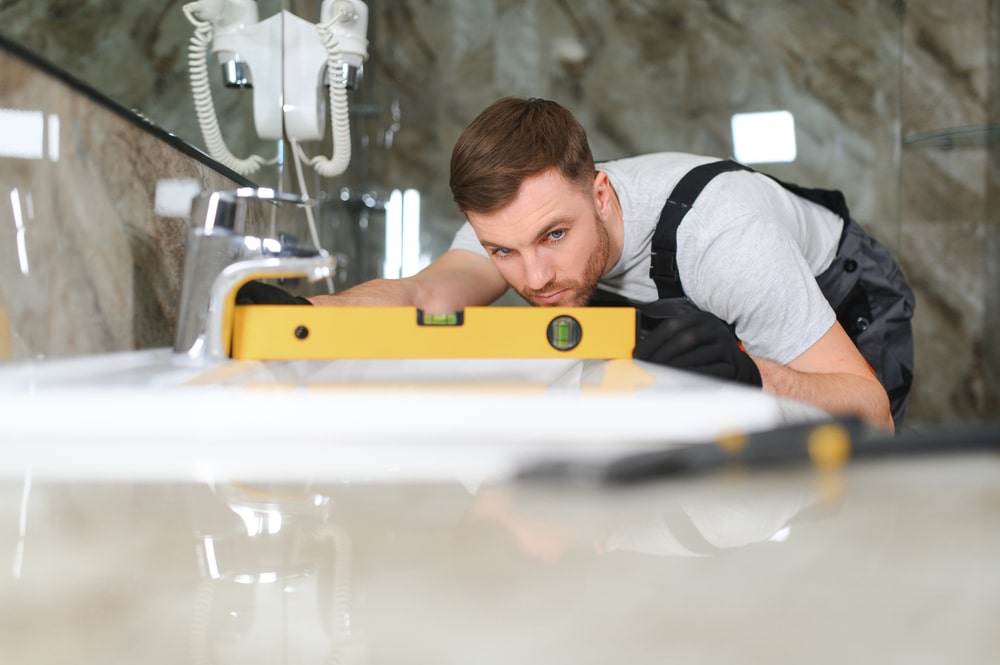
{"x": 874, "y": 304}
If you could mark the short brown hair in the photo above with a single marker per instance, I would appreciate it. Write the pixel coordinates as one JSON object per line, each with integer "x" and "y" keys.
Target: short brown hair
{"x": 514, "y": 139}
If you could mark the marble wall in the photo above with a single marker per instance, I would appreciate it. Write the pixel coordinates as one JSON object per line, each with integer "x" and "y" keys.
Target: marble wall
{"x": 882, "y": 92}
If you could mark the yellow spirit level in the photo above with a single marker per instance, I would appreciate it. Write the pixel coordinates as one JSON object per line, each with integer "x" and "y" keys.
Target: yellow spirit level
{"x": 283, "y": 332}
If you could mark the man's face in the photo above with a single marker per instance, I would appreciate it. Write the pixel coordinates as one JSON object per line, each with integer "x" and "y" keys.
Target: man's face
{"x": 549, "y": 243}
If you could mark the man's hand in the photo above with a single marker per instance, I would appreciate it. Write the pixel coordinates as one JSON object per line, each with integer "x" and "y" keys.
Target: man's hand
{"x": 259, "y": 293}
{"x": 699, "y": 342}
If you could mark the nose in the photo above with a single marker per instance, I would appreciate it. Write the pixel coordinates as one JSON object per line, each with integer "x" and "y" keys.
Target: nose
{"x": 538, "y": 273}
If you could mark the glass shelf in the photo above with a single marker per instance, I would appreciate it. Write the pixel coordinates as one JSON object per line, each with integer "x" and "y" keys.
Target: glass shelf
{"x": 954, "y": 137}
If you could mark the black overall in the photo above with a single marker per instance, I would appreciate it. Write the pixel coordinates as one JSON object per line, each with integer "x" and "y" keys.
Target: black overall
{"x": 864, "y": 284}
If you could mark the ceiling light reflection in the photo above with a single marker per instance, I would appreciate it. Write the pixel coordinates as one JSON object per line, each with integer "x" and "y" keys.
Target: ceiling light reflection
{"x": 19, "y": 230}
{"x": 22, "y": 134}
{"x": 763, "y": 137}
{"x": 781, "y": 535}
{"x": 53, "y": 137}
{"x": 402, "y": 235}
{"x": 22, "y": 528}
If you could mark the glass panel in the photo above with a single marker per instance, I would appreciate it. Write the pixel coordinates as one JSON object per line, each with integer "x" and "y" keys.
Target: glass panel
{"x": 135, "y": 53}
{"x": 92, "y": 203}
{"x": 946, "y": 131}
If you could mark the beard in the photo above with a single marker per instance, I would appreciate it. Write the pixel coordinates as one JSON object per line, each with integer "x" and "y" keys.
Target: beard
{"x": 578, "y": 292}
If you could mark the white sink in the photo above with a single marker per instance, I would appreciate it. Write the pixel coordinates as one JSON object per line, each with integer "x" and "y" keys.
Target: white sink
{"x": 148, "y": 414}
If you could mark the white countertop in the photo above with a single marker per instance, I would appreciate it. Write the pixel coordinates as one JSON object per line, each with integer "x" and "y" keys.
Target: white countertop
{"x": 364, "y": 512}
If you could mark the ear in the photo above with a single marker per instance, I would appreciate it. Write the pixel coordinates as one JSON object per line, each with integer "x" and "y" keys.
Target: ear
{"x": 603, "y": 194}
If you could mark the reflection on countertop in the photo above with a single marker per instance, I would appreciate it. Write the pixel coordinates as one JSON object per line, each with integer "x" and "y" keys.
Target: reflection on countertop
{"x": 882, "y": 562}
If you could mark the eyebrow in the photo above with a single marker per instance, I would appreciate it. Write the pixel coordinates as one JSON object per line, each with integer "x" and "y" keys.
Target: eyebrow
{"x": 560, "y": 221}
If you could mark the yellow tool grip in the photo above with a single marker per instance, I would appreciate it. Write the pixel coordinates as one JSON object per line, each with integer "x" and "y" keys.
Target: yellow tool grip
{"x": 288, "y": 332}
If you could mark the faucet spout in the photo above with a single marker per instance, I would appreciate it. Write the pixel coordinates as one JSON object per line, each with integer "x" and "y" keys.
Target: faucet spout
{"x": 232, "y": 277}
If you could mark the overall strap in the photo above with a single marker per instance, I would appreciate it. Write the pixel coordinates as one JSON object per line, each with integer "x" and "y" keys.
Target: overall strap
{"x": 663, "y": 268}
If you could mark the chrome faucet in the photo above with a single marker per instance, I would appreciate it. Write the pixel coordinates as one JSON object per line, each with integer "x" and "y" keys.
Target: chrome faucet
{"x": 221, "y": 257}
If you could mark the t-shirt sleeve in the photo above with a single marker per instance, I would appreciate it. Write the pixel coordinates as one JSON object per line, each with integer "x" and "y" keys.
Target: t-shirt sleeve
{"x": 466, "y": 239}
{"x": 749, "y": 271}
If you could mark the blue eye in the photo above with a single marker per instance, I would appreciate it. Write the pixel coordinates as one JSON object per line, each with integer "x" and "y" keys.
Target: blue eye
{"x": 500, "y": 251}
{"x": 558, "y": 234}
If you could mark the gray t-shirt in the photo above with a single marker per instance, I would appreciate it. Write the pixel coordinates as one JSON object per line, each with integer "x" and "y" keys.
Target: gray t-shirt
{"x": 747, "y": 251}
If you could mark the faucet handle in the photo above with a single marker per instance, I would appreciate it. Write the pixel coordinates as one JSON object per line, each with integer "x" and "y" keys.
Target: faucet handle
{"x": 229, "y": 210}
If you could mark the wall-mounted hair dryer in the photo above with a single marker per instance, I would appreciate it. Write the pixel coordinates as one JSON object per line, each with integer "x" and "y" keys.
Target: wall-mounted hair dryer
{"x": 282, "y": 59}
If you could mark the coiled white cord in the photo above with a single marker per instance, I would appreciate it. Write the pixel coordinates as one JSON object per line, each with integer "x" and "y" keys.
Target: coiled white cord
{"x": 201, "y": 92}
{"x": 340, "y": 123}
{"x": 204, "y": 105}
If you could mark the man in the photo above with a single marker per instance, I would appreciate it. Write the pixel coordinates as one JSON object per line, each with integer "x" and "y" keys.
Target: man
{"x": 544, "y": 220}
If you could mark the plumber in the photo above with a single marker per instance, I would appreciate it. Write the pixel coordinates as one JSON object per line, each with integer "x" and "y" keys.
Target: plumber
{"x": 738, "y": 275}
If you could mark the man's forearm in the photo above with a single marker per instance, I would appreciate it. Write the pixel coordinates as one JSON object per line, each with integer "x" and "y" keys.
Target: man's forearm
{"x": 838, "y": 394}
{"x": 455, "y": 280}
{"x": 385, "y": 292}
